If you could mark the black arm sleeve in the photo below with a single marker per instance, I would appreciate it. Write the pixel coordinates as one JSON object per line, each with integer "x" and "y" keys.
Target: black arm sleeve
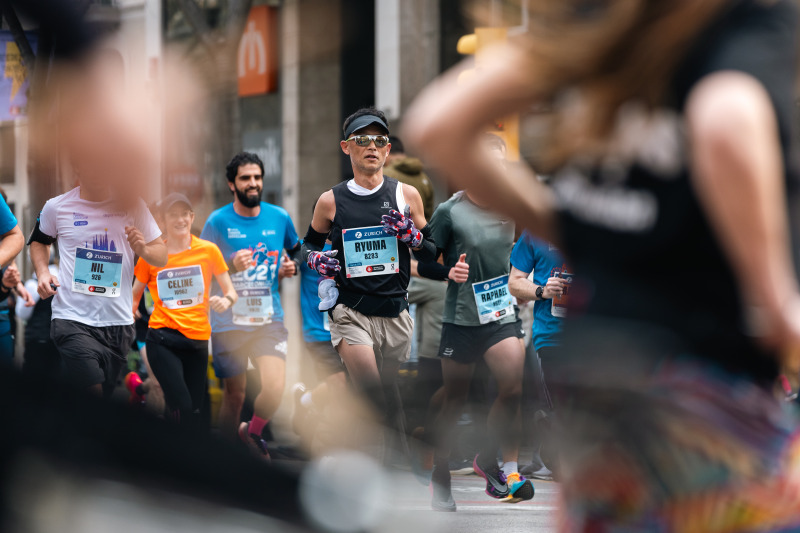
{"x": 427, "y": 251}
{"x": 37, "y": 235}
{"x": 433, "y": 270}
{"x": 314, "y": 241}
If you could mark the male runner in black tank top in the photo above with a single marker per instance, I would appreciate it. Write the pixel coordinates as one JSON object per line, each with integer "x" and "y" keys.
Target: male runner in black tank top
{"x": 372, "y": 222}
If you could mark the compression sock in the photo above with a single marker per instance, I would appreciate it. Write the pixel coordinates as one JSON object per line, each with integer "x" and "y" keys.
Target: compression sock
{"x": 257, "y": 425}
{"x": 509, "y": 467}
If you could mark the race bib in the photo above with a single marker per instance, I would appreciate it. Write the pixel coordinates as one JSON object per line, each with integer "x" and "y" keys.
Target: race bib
{"x": 254, "y": 305}
{"x": 493, "y": 299}
{"x": 369, "y": 252}
{"x": 558, "y": 307}
{"x": 181, "y": 287}
{"x": 326, "y": 323}
{"x": 97, "y": 273}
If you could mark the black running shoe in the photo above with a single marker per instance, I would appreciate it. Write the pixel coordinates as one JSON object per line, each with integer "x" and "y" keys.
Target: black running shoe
{"x": 496, "y": 485}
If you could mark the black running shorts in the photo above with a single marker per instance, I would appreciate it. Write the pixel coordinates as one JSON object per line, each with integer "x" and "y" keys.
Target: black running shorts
{"x": 92, "y": 355}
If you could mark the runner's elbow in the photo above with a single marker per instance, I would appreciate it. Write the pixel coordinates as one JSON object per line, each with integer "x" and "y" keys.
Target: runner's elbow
{"x": 12, "y": 244}
{"x": 158, "y": 254}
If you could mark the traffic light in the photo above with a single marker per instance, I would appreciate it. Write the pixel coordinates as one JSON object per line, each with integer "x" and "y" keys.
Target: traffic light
{"x": 507, "y": 128}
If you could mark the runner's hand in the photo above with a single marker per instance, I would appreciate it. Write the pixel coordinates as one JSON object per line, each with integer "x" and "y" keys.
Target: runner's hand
{"x": 324, "y": 263}
{"x": 11, "y": 276}
{"x": 47, "y": 286}
{"x": 25, "y": 295}
{"x": 220, "y": 304}
{"x": 460, "y": 272}
{"x": 288, "y": 268}
{"x": 135, "y": 240}
{"x": 243, "y": 260}
{"x": 553, "y": 289}
{"x": 400, "y": 225}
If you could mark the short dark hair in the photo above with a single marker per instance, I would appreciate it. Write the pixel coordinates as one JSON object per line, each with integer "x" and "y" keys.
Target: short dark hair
{"x": 397, "y": 144}
{"x": 242, "y": 158}
{"x": 360, "y": 113}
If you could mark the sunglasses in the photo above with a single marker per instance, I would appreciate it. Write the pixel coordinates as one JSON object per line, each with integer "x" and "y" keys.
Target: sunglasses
{"x": 364, "y": 140}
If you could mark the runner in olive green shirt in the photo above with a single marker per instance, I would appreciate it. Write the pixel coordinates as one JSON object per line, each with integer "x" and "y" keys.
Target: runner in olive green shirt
{"x": 479, "y": 321}
{"x": 487, "y": 240}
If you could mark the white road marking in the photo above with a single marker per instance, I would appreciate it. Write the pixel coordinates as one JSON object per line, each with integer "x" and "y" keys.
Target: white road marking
{"x": 483, "y": 508}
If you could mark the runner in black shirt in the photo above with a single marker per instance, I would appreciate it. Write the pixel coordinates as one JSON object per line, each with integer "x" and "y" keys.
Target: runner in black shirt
{"x": 671, "y": 151}
{"x": 374, "y": 223}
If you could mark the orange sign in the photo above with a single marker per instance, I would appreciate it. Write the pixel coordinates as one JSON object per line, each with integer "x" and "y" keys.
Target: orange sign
{"x": 257, "y": 60}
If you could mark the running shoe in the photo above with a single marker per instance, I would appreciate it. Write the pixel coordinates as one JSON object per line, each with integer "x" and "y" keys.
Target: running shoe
{"x": 421, "y": 456}
{"x": 461, "y": 467}
{"x": 496, "y": 485}
{"x": 441, "y": 493}
{"x": 133, "y": 383}
{"x": 537, "y": 471}
{"x": 254, "y": 442}
{"x": 519, "y": 489}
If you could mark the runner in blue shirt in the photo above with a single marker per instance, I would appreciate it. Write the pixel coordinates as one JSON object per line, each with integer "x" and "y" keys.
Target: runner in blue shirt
{"x": 252, "y": 236}
{"x": 549, "y": 290}
{"x": 327, "y": 363}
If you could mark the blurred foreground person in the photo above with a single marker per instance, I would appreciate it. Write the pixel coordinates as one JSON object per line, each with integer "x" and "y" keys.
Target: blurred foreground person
{"x": 671, "y": 151}
{"x": 92, "y": 324}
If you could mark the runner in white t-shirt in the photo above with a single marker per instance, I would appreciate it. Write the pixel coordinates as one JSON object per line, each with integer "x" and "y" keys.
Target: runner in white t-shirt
{"x": 92, "y": 324}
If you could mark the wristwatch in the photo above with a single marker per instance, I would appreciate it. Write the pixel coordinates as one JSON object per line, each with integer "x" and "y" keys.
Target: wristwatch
{"x": 231, "y": 300}
{"x": 540, "y": 292}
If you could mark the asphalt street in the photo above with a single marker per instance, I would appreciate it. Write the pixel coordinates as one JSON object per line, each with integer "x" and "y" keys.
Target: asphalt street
{"x": 477, "y": 512}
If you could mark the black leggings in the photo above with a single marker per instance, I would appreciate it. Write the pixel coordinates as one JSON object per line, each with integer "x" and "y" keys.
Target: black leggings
{"x": 179, "y": 364}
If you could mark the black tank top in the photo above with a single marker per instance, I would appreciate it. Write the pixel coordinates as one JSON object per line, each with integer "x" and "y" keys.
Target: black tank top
{"x": 354, "y": 211}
